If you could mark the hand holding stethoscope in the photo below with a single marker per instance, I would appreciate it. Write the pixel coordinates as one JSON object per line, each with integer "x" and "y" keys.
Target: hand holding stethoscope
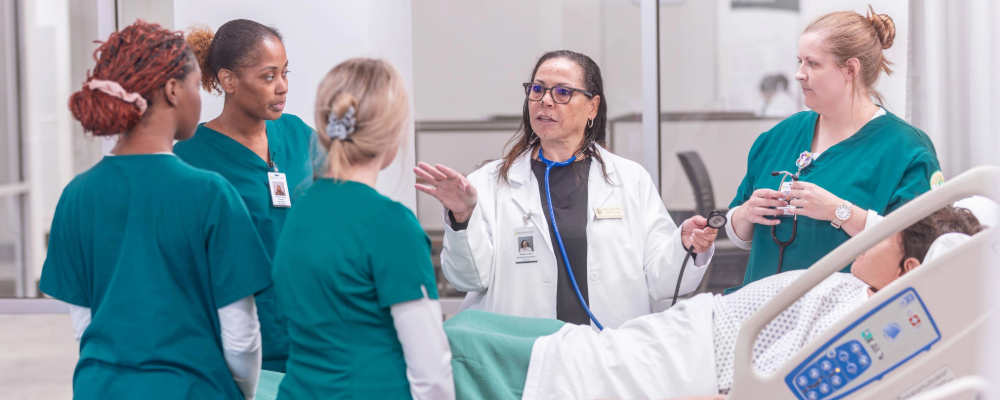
{"x": 811, "y": 200}
{"x": 762, "y": 203}
{"x": 450, "y": 188}
{"x": 697, "y": 234}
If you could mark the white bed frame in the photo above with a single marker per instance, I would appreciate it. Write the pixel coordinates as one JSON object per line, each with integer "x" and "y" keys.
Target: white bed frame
{"x": 953, "y": 288}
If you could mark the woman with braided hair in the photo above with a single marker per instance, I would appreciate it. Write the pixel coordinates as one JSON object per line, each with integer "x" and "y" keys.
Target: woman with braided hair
{"x": 158, "y": 260}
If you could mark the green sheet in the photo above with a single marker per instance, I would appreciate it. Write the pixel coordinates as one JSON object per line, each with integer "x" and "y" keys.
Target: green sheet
{"x": 489, "y": 355}
{"x": 490, "y": 352}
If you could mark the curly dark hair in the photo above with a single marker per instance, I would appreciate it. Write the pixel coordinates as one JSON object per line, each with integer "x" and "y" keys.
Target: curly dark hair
{"x": 141, "y": 58}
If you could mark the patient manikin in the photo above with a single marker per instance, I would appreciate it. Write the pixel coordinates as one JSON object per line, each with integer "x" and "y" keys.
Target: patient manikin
{"x": 688, "y": 350}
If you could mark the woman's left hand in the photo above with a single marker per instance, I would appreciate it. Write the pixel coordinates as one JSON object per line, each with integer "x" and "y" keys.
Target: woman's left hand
{"x": 813, "y": 201}
{"x": 695, "y": 232}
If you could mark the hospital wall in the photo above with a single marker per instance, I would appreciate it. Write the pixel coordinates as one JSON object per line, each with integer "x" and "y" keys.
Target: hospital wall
{"x": 489, "y": 48}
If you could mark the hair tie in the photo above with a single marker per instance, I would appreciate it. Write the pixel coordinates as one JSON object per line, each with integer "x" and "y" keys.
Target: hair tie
{"x": 341, "y": 128}
{"x": 114, "y": 89}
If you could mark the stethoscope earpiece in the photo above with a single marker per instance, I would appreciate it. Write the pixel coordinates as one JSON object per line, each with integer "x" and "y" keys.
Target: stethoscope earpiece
{"x": 787, "y": 174}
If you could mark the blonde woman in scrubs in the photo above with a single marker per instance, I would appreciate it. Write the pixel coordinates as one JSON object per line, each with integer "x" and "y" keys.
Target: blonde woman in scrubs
{"x": 855, "y": 160}
{"x": 353, "y": 267}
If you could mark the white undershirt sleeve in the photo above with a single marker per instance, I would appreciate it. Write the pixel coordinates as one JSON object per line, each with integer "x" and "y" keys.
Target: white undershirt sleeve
{"x": 81, "y": 320}
{"x": 425, "y": 348}
{"x": 872, "y": 218}
{"x": 743, "y": 244}
{"x": 241, "y": 343}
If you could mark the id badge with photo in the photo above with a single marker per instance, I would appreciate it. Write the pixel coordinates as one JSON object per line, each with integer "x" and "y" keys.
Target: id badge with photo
{"x": 279, "y": 190}
{"x": 526, "y": 241}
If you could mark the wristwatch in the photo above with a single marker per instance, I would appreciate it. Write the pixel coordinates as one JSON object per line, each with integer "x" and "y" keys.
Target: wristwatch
{"x": 842, "y": 214}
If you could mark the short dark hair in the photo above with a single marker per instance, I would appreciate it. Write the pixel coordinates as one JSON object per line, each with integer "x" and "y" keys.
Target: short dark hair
{"x": 917, "y": 239}
{"x": 234, "y": 46}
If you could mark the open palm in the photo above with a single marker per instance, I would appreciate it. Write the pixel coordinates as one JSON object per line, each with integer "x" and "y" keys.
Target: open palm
{"x": 450, "y": 188}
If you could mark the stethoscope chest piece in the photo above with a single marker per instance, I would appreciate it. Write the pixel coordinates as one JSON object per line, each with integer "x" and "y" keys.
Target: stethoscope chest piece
{"x": 716, "y": 220}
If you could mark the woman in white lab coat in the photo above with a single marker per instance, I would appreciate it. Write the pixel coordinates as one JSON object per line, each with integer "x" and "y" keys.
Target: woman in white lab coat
{"x": 624, "y": 250}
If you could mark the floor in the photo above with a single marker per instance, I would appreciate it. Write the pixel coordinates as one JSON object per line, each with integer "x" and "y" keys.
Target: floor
{"x": 37, "y": 356}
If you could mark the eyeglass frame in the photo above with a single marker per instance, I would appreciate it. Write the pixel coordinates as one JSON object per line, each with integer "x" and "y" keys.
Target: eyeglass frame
{"x": 549, "y": 90}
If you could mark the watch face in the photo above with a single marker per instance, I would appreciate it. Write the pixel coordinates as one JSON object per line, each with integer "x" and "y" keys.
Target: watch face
{"x": 843, "y": 212}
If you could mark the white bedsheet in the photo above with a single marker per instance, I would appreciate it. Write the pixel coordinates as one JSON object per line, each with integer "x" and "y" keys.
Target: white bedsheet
{"x": 687, "y": 350}
{"x": 664, "y": 355}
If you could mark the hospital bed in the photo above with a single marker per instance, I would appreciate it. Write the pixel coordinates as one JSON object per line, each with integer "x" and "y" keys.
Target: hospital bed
{"x": 922, "y": 336}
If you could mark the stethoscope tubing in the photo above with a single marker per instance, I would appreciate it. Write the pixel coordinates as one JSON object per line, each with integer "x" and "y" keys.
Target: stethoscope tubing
{"x": 555, "y": 227}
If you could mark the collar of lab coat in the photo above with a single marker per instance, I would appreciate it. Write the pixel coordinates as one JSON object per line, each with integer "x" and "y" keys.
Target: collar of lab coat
{"x": 520, "y": 172}
{"x": 525, "y": 193}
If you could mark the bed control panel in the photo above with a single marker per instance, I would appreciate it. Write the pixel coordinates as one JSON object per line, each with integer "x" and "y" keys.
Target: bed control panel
{"x": 880, "y": 341}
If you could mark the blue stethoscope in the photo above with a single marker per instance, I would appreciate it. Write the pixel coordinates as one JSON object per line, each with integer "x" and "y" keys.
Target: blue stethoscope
{"x": 716, "y": 220}
{"x": 555, "y": 227}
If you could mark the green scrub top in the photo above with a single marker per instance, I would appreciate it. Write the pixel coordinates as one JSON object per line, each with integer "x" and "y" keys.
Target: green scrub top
{"x": 288, "y": 140}
{"x": 346, "y": 256}
{"x": 881, "y": 167}
{"x": 154, "y": 247}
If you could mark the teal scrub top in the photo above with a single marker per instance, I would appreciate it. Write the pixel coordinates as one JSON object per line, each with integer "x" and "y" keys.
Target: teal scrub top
{"x": 154, "y": 247}
{"x": 881, "y": 167}
{"x": 346, "y": 256}
{"x": 288, "y": 140}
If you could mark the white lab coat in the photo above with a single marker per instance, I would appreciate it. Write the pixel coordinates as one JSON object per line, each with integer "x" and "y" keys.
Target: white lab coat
{"x": 631, "y": 261}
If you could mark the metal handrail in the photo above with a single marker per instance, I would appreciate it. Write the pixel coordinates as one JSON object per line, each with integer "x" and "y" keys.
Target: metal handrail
{"x": 14, "y": 189}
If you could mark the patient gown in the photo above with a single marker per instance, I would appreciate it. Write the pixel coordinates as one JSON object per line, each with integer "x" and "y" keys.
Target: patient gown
{"x": 808, "y": 317}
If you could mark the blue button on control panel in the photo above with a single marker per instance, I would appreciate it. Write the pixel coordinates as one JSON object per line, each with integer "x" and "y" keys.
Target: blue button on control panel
{"x": 835, "y": 369}
{"x": 866, "y": 349}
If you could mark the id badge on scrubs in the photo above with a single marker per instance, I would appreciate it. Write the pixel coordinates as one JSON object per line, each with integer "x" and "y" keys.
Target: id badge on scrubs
{"x": 525, "y": 249}
{"x": 786, "y": 190}
{"x": 279, "y": 190}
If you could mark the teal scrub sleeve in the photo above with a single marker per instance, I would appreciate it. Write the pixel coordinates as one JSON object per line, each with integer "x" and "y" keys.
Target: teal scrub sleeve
{"x": 63, "y": 274}
{"x": 317, "y": 155}
{"x": 921, "y": 175}
{"x": 399, "y": 253}
{"x": 239, "y": 266}
{"x": 746, "y": 188}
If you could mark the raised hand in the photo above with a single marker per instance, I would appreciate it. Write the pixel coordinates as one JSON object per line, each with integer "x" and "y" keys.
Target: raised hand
{"x": 450, "y": 188}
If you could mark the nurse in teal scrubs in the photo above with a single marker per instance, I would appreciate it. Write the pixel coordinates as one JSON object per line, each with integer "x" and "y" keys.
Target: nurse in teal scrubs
{"x": 157, "y": 259}
{"x": 353, "y": 267}
{"x": 855, "y": 161}
{"x": 252, "y": 144}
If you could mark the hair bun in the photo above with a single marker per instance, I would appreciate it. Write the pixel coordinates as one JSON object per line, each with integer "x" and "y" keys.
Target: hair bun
{"x": 102, "y": 114}
{"x": 199, "y": 39}
{"x": 343, "y": 102}
{"x": 884, "y": 27}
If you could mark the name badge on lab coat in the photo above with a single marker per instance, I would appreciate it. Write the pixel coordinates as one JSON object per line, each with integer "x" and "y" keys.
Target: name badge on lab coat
{"x": 608, "y": 212}
{"x": 279, "y": 190}
{"x": 525, "y": 245}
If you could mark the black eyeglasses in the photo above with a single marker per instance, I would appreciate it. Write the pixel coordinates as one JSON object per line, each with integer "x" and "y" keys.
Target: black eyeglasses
{"x": 560, "y": 94}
